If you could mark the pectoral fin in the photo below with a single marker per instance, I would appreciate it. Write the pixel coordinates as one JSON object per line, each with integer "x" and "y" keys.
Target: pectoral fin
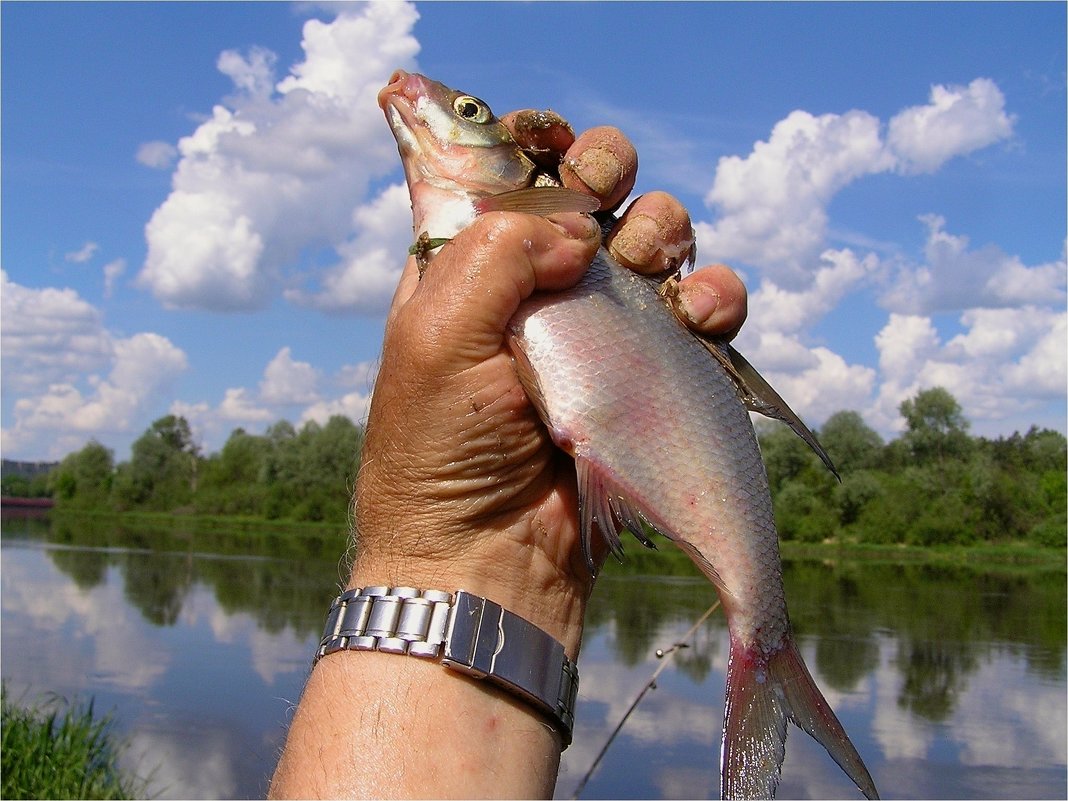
{"x": 759, "y": 396}
{"x": 539, "y": 200}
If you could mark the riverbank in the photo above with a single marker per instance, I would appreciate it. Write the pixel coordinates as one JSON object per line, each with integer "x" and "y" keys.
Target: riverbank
{"x": 1005, "y": 553}
{"x": 1021, "y": 553}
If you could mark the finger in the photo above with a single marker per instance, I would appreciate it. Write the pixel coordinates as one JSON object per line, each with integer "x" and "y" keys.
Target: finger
{"x": 458, "y": 313}
{"x": 653, "y": 236}
{"x": 712, "y": 301}
{"x": 544, "y": 135}
{"x": 603, "y": 163}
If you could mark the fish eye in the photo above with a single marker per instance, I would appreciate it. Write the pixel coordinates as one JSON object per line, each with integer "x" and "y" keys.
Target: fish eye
{"x": 473, "y": 109}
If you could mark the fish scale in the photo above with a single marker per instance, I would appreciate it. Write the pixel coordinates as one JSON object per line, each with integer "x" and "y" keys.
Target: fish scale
{"x": 690, "y": 459}
{"x": 656, "y": 419}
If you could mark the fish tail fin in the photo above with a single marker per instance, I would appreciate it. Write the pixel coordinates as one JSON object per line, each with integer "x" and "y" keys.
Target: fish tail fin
{"x": 762, "y": 695}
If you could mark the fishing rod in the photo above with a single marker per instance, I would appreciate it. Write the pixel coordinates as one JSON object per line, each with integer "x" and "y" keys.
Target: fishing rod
{"x": 649, "y": 685}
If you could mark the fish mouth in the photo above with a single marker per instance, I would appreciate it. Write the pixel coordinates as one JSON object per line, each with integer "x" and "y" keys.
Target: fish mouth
{"x": 402, "y": 91}
{"x": 397, "y": 99}
{"x": 394, "y": 87}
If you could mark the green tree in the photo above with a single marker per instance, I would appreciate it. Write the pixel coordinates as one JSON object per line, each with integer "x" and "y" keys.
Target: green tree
{"x": 84, "y": 478}
{"x": 937, "y": 428}
{"x": 233, "y": 481}
{"x": 785, "y": 454}
{"x": 850, "y": 442}
{"x": 163, "y": 468}
{"x": 309, "y": 474}
{"x": 804, "y": 514}
{"x": 856, "y": 491}
{"x": 15, "y": 485}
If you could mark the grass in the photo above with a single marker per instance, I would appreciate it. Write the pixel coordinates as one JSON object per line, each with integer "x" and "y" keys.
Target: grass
{"x": 60, "y": 750}
{"x": 1006, "y": 553}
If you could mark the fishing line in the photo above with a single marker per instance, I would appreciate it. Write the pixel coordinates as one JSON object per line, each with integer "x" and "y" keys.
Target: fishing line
{"x": 660, "y": 654}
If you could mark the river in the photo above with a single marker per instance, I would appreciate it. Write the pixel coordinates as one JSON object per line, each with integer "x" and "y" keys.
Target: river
{"x": 951, "y": 680}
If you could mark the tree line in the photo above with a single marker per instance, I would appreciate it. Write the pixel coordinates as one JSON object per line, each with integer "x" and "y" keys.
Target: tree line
{"x": 934, "y": 484}
{"x": 282, "y": 474}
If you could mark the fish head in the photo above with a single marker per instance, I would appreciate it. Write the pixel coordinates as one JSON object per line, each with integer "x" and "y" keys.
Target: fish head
{"x": 452, "y": 146}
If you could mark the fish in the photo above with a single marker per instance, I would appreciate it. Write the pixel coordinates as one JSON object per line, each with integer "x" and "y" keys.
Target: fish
{"x": 655, "y": 416}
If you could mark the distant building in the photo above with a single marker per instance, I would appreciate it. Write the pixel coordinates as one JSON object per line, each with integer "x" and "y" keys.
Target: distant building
{"x": 11, "y": 467}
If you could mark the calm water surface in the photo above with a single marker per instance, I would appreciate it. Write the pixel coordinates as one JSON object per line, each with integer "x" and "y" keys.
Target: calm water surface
{"x": 951, "y": 681}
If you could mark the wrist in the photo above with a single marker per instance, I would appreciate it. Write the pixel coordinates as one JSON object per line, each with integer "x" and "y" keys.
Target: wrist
{"x": 469, "y": 634}
{"x": 520, "y": 578}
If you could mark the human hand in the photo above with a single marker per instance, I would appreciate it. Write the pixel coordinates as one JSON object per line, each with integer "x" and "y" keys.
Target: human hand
{"x": 654, "y": 235}
{"x": 460, "y": 484}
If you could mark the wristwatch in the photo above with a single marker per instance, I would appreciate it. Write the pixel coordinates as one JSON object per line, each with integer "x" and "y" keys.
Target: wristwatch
{"x": 468, "y": 633}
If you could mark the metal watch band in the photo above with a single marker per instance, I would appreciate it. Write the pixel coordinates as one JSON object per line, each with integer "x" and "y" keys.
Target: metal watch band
{"x": 468, "y": 633}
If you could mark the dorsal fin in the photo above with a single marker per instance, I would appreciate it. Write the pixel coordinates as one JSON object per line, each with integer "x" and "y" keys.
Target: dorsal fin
{"x": 759, "y": 396}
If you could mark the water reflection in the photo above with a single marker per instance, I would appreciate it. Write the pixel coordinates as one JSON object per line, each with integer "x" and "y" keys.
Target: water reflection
{"x": 951, "y": 681}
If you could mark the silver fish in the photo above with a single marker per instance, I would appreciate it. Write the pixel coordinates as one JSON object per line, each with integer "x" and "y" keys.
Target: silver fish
{"x": 655, "y": 417}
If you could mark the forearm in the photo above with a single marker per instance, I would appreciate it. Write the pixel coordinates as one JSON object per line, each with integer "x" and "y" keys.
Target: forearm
{"x": 374, "y": 724}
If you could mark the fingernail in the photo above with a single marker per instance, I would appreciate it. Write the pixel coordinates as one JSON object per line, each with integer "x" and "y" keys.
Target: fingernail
{"x": 599, "y": 169}
{"x": 576, "y": 226}
{"x": 637, "y": 242}
{"x": 698, "y": 303}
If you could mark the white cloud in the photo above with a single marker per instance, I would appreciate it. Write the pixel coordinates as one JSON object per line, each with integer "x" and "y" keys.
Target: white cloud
{"x": 50, "y": 336}
{"x": 353, "y": 405}
{"x": 253, "y": 76}
{"x": 372, "y": 259}
{"x": 957, "y": 120}
{"x": 1043, "y": 369}
{"x": 829, "y": 385}
{"x": 904, "y": 340}
{"x": 1009, "y": 358}
{"x": 142, "y": 366}
{"x": 83, "y": 254}
{"x": 289, "y": 389}
{"x": 1006, "y": 361}
{"x": 288, "y": 382}
{"x": 278, "y": 168}
{"x": 113, "y": 270}
{"x": 56, "y": 352}
{"x": 814, "y": 380}
{"x": 361, "y": 376}
{"x": 773, "y": 202}
{"x": 956, "y": 277}
{"x": 773, "y": 215}
{"x": 211, "y": 425}
{"x": 158, "y": 155}
{"x": 837, "y": 273}
{"x": 237, "y": 407}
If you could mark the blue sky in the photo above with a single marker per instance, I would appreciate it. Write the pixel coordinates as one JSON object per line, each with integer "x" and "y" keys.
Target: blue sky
{"x": 201, "y": 209}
